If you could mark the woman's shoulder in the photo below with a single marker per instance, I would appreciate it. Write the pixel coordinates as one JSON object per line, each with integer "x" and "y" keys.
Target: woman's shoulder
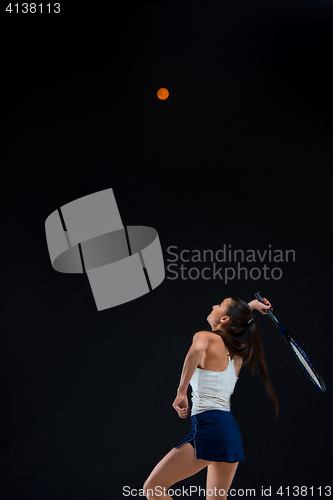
{"x": 210, "y": 336}
{"x": 204, "y": 332}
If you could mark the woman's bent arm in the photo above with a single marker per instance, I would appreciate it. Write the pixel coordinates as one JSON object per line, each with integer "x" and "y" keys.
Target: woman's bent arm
{"x": 199, "y": 345}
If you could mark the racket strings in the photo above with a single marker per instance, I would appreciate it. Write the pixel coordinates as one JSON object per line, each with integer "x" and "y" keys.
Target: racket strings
{"x": 304, "y": 360}
{"x": 300, "y": 355}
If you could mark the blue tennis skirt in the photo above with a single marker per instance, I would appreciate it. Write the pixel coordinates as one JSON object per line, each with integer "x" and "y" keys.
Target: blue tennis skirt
{"x": 215, "y": 436}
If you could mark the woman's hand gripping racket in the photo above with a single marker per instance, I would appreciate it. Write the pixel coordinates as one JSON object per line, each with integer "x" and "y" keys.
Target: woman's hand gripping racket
{"x": 300, "y": 355}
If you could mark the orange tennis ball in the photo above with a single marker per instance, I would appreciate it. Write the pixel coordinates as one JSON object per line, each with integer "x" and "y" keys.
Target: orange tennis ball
{"x": 162, "y": 94}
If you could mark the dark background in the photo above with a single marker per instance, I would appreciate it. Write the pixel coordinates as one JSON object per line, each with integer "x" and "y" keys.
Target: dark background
{"x": 240, "y": 153}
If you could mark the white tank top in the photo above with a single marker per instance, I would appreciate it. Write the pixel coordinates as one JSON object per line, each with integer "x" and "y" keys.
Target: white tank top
{"x": 212, "y": 390}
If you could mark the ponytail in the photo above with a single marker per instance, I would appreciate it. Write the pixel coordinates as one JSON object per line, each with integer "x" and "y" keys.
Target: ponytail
{"x": 256, "y": 348}
{"x": 241, "y": 320}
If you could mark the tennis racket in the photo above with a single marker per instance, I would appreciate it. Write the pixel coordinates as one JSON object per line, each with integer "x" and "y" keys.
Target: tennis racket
{"x": 300, "y": 355}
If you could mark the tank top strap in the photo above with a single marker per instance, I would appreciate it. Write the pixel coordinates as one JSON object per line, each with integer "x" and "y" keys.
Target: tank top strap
{"x": 231, "y": 359}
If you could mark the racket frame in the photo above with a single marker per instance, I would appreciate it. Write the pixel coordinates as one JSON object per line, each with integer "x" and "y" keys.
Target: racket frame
{"x": 290, "y": 341}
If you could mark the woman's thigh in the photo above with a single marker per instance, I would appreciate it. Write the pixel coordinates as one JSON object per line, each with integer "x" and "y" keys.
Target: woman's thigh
{"x": 178, "y": 464}
{"x": 219, "y": 479}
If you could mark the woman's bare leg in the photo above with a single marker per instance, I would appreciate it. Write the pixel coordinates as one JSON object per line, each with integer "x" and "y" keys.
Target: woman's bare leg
{"x": 219, "y": 479}
{"x": 178, "y": 464}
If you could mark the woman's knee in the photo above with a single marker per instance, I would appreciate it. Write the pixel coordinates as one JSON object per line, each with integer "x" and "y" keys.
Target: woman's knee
{"x": 149, "y": 489}
{"x": 153, "y": 490}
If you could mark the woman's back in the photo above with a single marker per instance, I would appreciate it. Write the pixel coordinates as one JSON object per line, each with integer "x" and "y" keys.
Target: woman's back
{"x": 215, "y": 377}
{"x": 216, "y": 357}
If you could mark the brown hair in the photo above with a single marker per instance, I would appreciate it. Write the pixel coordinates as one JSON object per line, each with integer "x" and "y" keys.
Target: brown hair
{"x": 251, "y": 348}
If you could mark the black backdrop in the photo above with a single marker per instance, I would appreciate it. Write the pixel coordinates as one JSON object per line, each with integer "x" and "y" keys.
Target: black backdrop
{"x": 239, "y": 154}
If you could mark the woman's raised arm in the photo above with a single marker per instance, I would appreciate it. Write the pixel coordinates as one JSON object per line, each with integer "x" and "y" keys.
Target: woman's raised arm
{"x": 255, "y": 304}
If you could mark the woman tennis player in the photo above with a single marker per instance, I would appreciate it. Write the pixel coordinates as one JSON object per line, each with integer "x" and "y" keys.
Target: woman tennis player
{"x": 211, "y": 367}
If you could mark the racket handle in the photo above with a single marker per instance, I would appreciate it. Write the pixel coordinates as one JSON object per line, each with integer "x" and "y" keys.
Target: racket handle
{"x": 259, "y": 297}
{"x": 268, "y": 311}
